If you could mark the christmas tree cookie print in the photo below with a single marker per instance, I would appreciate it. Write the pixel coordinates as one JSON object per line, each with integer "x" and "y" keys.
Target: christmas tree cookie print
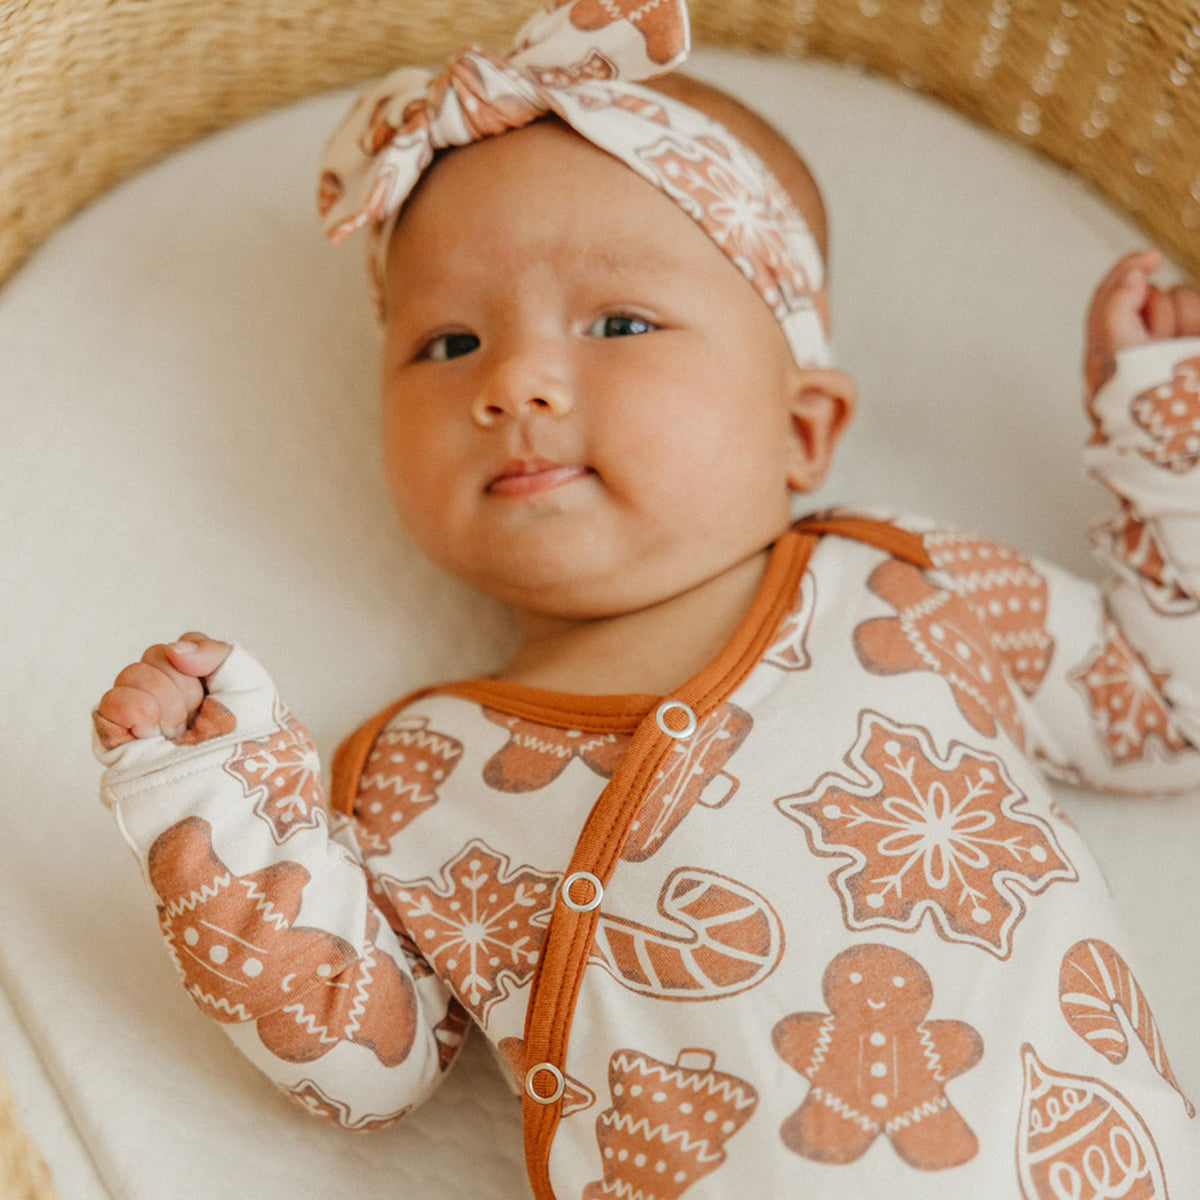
{"x": 1080, "y": 1137}
{"x": 668, "y": 1124}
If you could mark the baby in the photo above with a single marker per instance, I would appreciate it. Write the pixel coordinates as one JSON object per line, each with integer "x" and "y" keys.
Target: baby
{"x": 745, "y": 862}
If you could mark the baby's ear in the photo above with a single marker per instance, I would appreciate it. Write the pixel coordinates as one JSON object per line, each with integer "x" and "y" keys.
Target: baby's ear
{"x": 821, "y": 407}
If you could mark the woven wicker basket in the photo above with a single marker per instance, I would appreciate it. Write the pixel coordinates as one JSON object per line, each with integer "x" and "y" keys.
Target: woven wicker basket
{"x": 23, "y": 1175}
{"x": 92, "y": 90}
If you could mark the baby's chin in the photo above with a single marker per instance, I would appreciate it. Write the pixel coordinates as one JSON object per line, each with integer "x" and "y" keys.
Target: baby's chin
{"x": 582, "y": 592}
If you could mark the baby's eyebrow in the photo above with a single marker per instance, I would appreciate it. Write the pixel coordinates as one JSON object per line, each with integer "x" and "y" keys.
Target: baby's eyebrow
{"x": 616, "y": 260}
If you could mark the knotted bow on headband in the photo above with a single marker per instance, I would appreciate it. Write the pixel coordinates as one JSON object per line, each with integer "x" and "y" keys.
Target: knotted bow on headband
{"x": 575, "y": 60}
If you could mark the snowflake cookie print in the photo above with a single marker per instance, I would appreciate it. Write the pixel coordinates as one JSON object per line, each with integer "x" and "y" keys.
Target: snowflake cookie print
{"x": 281, "y": 773}
{"x": 919, "y": 835}
{"x": 482, "y": 926}
{"x": 1125, "y": 701}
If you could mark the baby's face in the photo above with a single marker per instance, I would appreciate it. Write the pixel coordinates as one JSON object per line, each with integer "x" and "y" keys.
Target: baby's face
{"x": 586, "y": 408}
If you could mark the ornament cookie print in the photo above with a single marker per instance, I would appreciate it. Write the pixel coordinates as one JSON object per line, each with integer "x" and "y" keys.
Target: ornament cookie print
{"x": 1079, "y": 1139}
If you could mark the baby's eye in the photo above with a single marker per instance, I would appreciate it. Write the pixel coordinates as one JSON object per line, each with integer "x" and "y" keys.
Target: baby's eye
{"x": 619, "y": 326}
{"x": 448, "y": 345}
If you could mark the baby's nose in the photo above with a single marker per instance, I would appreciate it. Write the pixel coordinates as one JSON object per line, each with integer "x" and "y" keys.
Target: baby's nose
{"x": 516, "y": 392}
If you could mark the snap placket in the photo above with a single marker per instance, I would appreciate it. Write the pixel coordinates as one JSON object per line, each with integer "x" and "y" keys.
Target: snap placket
{"x": 559, "y": 1083}
{"x": 670, "y": 706}
{"x": 592, "y": 902}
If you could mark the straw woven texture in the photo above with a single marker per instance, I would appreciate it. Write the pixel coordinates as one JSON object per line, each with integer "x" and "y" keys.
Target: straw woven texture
{"x": 92, "y": 90}
{"x": 23, "y": 1175}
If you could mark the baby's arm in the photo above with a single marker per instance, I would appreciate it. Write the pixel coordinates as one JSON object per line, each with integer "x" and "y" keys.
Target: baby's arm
{"x": 1119, "y": 706}
{"x": 266, "y": 911}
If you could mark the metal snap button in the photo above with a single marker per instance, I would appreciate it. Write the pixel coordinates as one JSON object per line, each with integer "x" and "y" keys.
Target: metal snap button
{"x": 592, "y": 902}
{"x": 668, "y": 706}
{"x": 559, "y": 1083}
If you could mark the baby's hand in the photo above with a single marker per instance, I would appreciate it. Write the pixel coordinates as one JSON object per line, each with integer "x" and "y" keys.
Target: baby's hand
{"x": 1128, "y": 310}
{"x": 163, "y": 692}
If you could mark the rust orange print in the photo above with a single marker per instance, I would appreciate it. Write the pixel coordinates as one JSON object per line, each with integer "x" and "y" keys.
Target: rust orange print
{"x": 721, "y": 937}
{"x": 607, "y": 97}
{"x": 693, "y": 772}
{"x": 282, "y": 775}
{"x": 309, "y": 1095}
{"x": 402, "y": 777}
{"x": 937, "y": 630}
{"x": 922, "y": 835}
{"x": 748, "y": 227}
{"x": 1138, "y": 544}
{"x": 1170, "y": 414}
{"x": 481, "y": 927}
{"x": 656, "y": 20}
{"x": 668, "y": 1124}
{"x": 593, "y": 66}
{"x": 790, "y": 651}
{"x": 450, "y": 1032}
{"x": 1078, "y": 1137}
{"x": 1126, "y": 702}
{"x": 538, "y": 754}
{"x": 1094, "y": 984}
{"x": 1009, "y": 596}
{"x": 876, "y": 1065}
{"x": 483, "y": 114}
{"x": 241, "y": 957}
{"x": 576, "y": 1096}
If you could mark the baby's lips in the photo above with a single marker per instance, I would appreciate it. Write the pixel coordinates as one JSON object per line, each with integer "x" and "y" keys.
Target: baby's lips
{"x": 524, "y": 477}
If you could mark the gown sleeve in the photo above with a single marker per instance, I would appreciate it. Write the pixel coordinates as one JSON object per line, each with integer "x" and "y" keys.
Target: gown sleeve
{"x": 267, "y": 910}
{"x": 1106, "y": 677}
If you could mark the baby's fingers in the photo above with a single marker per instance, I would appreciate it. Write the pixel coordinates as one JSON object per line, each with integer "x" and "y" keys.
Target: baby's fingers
{"x": 195, "y": 655}
{"x": 1185, "y": 302}
{"x": 132, "y": 710}
{"x": 1158, "y": 315}
{"x": 1118, "y": 314}
{"x": 153, "y": 699}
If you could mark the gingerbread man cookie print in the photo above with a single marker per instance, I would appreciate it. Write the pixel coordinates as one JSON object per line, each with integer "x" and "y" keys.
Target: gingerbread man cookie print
{"x": 876, "y": 1065}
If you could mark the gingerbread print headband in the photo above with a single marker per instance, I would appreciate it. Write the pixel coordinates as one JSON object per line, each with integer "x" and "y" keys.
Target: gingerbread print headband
{"x": 576, "y": 59}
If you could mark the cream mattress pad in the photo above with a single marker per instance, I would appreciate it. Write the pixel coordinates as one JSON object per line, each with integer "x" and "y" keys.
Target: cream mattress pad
{"x": 188, "y": 400}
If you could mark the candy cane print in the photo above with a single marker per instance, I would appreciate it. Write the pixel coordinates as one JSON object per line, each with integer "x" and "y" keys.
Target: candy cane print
{"x": 1094, "y": 981}
{"x": 728, "y": 940}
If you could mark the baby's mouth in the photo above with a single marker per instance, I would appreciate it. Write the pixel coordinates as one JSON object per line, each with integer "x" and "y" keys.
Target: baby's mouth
{"x": 528, "y": 476}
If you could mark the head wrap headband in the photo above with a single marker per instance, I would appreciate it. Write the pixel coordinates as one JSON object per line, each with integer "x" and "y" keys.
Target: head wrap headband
{"x": 578, "y": 59}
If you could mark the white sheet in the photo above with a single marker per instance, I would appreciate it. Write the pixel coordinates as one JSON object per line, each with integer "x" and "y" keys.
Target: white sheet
{"x": 187, "y": 389}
